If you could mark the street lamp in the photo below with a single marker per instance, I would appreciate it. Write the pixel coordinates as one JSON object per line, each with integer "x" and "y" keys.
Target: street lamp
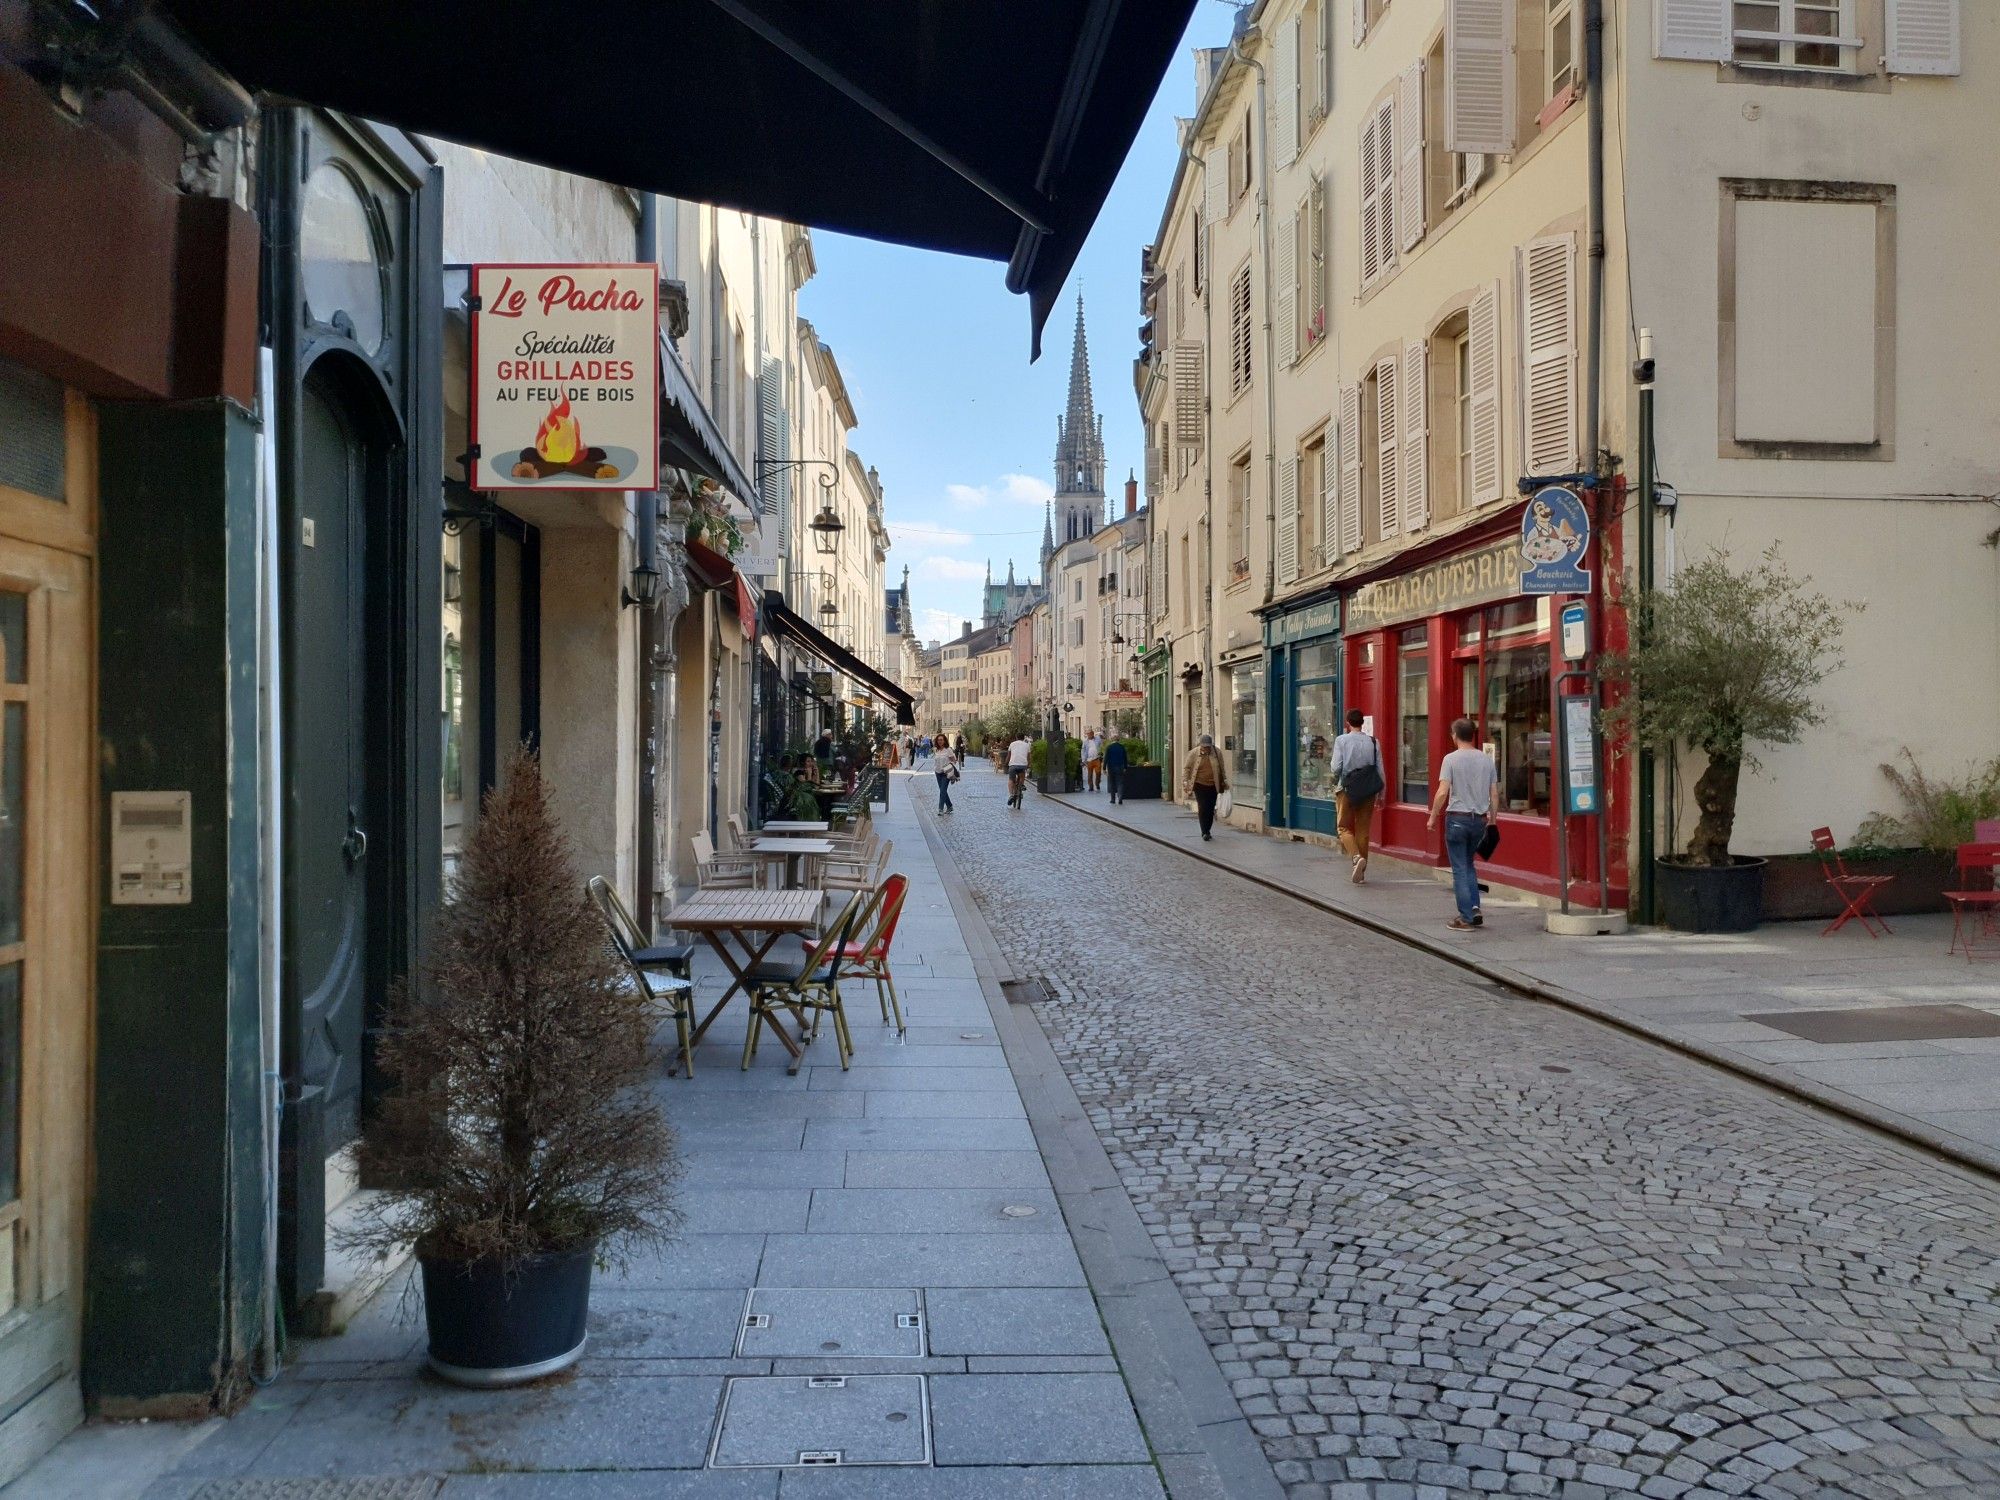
{"x": 826, "y": 528}
{"x": 644, "y": 589}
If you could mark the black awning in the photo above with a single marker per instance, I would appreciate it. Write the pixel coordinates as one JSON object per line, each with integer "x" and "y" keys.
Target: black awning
{"x": 983, "y": 127}
{"x": 689, "y": 438}
{"x": 813, "y": 641}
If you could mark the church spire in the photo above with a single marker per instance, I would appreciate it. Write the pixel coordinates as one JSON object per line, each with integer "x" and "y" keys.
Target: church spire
{"x": 1079, "y": 431}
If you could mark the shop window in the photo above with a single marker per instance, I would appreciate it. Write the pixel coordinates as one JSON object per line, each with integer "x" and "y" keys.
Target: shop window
{"x": 1503, "y": 661}
{"x": 1316, "y": 723}
{"x": 1413, "y": 716}
{"x": 1246, "y": 724}
{"x": 35, "y": 454}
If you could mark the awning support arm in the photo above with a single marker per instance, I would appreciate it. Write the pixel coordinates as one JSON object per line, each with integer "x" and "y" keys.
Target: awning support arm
{"x": 743, "y": 12}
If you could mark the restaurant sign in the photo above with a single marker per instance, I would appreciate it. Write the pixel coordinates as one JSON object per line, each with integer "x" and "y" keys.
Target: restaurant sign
{"x": 1318, "y": 619}
{"x": 565, "y": 377}
{"x": 1484, "y": 576}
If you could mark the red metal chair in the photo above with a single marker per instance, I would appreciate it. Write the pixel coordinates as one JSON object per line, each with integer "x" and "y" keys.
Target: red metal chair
{"x": 1975, "y": 912}
{"x": 1856, "y": 892}
{"x": 869, "y": 956}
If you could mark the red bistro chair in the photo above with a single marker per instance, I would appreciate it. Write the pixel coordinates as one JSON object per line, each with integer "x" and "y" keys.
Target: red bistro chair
{"x": 1856, "y": 892}
{"x": 1975, "y": 913}
{"x": 869, "y": 956}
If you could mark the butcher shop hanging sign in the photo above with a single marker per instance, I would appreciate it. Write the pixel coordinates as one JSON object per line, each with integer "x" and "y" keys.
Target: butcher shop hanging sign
{"x": 565, "y": 377}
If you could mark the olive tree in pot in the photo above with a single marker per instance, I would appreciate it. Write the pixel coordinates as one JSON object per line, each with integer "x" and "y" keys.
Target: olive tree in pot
{"x": 1721, "y": 660}
{"x": 518, "y": 1144}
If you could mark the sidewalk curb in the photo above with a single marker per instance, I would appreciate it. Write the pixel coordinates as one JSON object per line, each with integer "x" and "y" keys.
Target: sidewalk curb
{"x": 1965, "y": 1154}
{"x": 1202, "y": 1443}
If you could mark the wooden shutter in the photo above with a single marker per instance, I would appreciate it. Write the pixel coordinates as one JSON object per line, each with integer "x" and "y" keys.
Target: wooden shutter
{"x": 1187, "y": 395}
{"x": 1923, "y": 36}
{"x": 1153, "y": 466}
{"x": 1388, "y": 447}
{"x": 1371, "y": 205}
{"x": 1483, "y": 355}
{"x": 1410, "y": 146}
{"x": 1319, "y": 261}
{"x": 1285, "y": 98}
{"x": 1350, "y": 468}
{"x": 1697, "y": 30}
{"x": 1479, "y": 83}
{"x": 1548, "y": 342}
{"x": 1240, "y": 366}
{"x": 1288, "y": 520}
{"x": 1214, "y": 186}
{"x": 1385, "y": 183}
{"x": 1416, "y": 454}
{"x": 1329, "y": 492}
{"x": 1360, "y": 22}
{"x": 1285, "y": 272}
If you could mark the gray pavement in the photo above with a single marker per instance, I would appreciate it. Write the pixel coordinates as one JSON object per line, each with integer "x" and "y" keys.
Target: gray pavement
{"x": 1444, "y": 1240}
{"x": 1754, "y": 1002}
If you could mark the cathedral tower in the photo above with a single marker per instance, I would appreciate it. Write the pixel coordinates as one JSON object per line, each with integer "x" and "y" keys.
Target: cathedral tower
{"x": 1078, "y": 508}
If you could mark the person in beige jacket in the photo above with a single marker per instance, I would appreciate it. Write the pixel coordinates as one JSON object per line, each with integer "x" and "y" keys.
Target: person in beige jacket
{"x": 1203, "y": 776}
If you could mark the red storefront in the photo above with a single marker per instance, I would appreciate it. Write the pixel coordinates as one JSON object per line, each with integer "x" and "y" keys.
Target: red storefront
{"x": 1444, "y": 631}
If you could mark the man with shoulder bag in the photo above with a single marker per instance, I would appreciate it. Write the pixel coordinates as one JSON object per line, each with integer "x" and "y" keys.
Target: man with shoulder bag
{"x": 1358, "y": 781}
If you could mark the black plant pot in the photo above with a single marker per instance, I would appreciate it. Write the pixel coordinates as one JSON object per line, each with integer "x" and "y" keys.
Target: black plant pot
{"x": 494, "y": 1327}
{"x": 1710, "y": 898}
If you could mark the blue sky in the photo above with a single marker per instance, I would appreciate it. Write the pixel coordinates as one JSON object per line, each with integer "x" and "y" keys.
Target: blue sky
{"x": 934, "y": 350}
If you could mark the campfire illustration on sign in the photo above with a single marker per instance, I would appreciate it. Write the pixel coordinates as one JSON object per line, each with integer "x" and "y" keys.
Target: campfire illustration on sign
{"x": 559, "y": 449}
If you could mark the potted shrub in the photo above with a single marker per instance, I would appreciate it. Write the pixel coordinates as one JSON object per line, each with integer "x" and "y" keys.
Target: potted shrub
{"x": 518, "y": 1144}
{"x": 1720, "y": 661}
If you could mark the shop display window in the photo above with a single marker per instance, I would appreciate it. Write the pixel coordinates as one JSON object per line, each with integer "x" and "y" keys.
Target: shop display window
{"x": 1503, "y": 660}
{"x": 1247, "y": 723}
{"x": 1413, "y": 716}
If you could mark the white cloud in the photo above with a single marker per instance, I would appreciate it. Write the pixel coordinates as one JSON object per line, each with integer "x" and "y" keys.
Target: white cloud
{"x": 939, "y": 624}
{"x": 912, "y": 535}
{"x": 953, "y": 569}
{"x": 1011, "y": 489}
{"x": 965, "y": 496}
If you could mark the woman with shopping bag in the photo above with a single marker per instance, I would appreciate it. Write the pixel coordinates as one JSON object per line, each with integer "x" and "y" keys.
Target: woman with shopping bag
{"x": 1204, "y": 778}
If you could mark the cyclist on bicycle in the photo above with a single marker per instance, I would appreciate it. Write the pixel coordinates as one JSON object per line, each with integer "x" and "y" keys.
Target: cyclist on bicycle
{"x": 1017, "y": 770}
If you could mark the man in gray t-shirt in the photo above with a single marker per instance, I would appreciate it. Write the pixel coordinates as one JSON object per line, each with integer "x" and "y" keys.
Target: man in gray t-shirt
{"x": 1465, "y": 801}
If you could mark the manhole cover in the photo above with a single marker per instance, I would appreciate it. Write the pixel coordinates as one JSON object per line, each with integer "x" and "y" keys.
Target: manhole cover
{"x": 822, "y": 1421}
{"x": 318, "y": 1489}
{"x": 1883, "y": 1023}
{"x": 1020, "y": 1211}
{"x": 1033, "y": 990}
{"x": 868, "y": 1323}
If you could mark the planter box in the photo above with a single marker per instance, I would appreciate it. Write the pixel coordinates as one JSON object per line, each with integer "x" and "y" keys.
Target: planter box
{"x": 1142, "y": 782}
{"x": 1795, "y": 888}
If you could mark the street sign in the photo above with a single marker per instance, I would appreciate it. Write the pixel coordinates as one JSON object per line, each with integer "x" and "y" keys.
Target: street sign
{"x": 1579, "y": 757}
{"x": 1575, "y": 632}
{"x": 565, "y": 377}
{"x": 1555, "y": 538}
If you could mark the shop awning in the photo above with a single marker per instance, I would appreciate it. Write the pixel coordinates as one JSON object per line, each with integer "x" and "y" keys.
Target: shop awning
{"x": 715, "y": 571}
{"x": 972, "y": 126}
{"x": 814, "y": 642}
{"x": 689, "y": 438}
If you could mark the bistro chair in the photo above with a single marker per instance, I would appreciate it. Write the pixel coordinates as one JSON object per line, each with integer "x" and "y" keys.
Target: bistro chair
{"x": 1975, "y": 905}
{"x": 868, "y": 955}
{"x": 1856, "y": 892}
{"x": 662, "y": 973}
{"x": 809, "y": 987}
{"x": 738, "y": 836}
{"x": 856, "y": 872}
{"x": 722, "y": 872}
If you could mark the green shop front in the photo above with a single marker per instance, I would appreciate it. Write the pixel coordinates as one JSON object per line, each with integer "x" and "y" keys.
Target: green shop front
{"x": 1302, "y": 688}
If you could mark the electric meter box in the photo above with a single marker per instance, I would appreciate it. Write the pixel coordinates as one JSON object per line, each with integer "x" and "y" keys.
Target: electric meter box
{"x": 151, "y": 848}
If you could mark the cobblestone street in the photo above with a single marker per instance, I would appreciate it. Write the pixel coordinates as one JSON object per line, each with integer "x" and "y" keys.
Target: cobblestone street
{"x": 1444, "y": 1241}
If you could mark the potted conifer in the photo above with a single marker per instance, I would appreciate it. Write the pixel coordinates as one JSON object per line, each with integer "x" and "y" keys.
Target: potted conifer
{"x": 518, "y": 1144}
{"x": 1721, "y": 660}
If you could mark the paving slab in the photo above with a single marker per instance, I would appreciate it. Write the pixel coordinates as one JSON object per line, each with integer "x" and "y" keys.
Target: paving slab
{"x": 1023, "y": 1419}
{"x": 1080, "y": 1482}
{"x": 931, "y": 1260}
{"x": 927, "y": 1210}
{"x": 945, "y": 1169}
{"x": 990, "y": 1321}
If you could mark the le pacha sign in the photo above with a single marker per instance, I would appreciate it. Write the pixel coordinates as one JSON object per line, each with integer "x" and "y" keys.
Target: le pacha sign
{"x": 565, "y": 377}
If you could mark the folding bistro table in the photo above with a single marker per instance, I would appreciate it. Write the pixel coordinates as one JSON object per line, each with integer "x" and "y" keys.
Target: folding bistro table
{"x": 742, "y": 927}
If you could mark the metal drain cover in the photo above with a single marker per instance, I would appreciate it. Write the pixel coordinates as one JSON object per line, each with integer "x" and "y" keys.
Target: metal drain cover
{"x": 861, "y": 1323}
{"x": 802, "y": 1421}
{"x": 1033, "y": 990}
{"x": 420, "y": 1488}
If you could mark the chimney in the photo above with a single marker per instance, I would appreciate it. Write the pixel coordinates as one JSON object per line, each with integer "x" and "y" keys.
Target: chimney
{"x": 1131, "y": 493}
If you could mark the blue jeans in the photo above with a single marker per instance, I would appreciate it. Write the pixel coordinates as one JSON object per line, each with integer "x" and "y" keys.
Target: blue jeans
{"x": 1462, "y": 833}
{"x": 944, "y": 791}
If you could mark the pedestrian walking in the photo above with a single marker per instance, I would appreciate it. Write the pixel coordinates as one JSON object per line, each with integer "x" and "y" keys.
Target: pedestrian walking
{"x": 944, "y": 765}
{"x": 1465, "y": 801}
{"x": 1093, "y": 762}
{"x": 1357, "y": 781}
{"x": 1205, "y": 779}
{"x": 959, "y": 748}
{"x": 1114, "y": 770}
{"x": 1017, "y": 770}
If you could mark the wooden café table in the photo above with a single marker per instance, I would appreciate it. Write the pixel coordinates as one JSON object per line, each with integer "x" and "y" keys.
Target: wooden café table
{"x": 796, "y": 825}
{"x": 790, "y": 850}
{"x": 743, "y": 927}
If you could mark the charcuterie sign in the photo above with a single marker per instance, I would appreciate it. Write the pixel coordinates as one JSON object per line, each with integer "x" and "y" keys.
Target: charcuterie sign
{"x": 565, "y": 377}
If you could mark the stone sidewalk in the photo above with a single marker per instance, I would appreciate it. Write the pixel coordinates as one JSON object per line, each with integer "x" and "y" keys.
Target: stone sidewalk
{"x": 874, "y": 1265}
{"x": 1914, "y": 1048}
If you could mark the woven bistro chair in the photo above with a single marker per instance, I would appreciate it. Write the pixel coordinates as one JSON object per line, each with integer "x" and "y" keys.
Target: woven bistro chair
{"x": 722, "y": 872}
{"x": 810, "y": 987}
{"x": 662, "y": 973}
{"x": 868, "y": 955}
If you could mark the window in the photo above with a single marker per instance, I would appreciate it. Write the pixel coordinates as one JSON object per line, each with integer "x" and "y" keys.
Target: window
{"x": 1312, "y": 268}
{"x": 1187, "y": 583}
{"x": 1381, "y": 450}
{"x": 1461, "y": 417}
{"x": 1239, "y": 164}
{"x": 1413, "y": 716}
{"x": 1312, "y": 484}
{"x": 1239, "y": 516}
{"x": 1561, "y": 70}
{"x": 1316, "y": 60}
{"x": 1786, "y": 33}
{"x": 1378, "y": 192}
{"x": 1503, "y": 670}
{"x": 1239, "y": 330}
{"x": 1246, "y": 722}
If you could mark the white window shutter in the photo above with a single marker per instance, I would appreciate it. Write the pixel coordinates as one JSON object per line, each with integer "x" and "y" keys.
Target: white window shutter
{"x": 1479, "y": 82}
{"x": 1923, "y": 36}
{"x": 1187, "y": 395}
{"x": 1350, "y": 468}
{"x": 1371, "y": 206}
{"x": 1548, "y": 342}
{"x": 1288, "y": 520}
{"x": 1215, "y": 186}
{"x": 1385, "y": 186}
{"x": 1388, "y": 447}
{"x": 1153, "y": 467}
{"x": 1285, "y": 98}
{"x": 1329, "y": 492}
{"x": 1483, "y": 351}
{"x": 1696, "y": 30}
{"x": 1360, "y": 22}
{"x": 1285, "y": 273}
{"x": 1416, "y": 454}
{"x": 1410, "y": 144}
